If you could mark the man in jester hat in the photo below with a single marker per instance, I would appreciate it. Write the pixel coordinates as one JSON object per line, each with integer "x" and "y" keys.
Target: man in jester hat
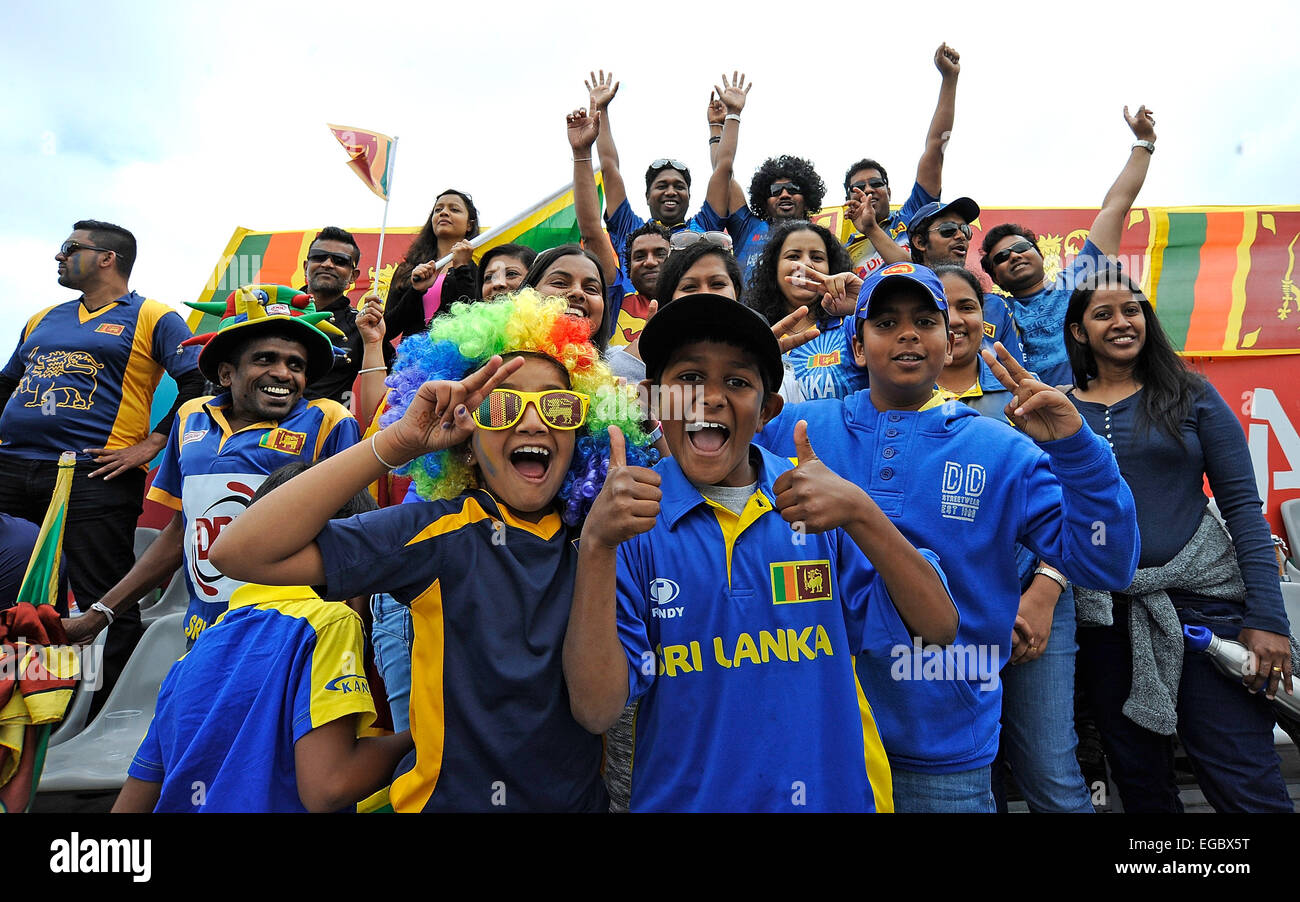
{"x": 271, "y": 342}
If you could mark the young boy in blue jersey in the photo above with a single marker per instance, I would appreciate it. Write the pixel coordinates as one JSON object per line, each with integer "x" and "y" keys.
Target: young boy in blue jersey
{"x": 729, "y": 591}
{"x": 485, "y": 561}
{"x": 953, "y": 480}
{"x": 263, "y": 713}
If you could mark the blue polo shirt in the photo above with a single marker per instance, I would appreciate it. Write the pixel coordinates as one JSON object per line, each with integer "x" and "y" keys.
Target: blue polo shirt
{"x": 86, "y": 380}
{"x": 1041, "y": 316}
{"x": 740, "y": 636}
{"x": 209, "y": 473}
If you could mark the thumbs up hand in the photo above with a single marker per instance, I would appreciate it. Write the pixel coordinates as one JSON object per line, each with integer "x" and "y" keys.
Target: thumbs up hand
{"x": 811, "y": 494}
{"x": 628, "y": 503}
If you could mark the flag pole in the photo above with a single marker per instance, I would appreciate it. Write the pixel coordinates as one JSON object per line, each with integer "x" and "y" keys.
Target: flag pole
{"x": 383, "y": 226}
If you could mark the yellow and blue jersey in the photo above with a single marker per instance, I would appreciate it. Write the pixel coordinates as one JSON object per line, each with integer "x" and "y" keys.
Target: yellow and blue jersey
{"x": 86, "y": 380}
{"x": 209, "y": 473}
{"x": 489, "y": 595}
{"x": 866, "y": 259}
{"x": 740, "y": 635}
{"x": 278, "y": 664}
{"x": 824, "y": 367}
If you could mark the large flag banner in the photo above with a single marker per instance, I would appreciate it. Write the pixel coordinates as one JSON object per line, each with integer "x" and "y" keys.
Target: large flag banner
{"x": 369, "y": 155}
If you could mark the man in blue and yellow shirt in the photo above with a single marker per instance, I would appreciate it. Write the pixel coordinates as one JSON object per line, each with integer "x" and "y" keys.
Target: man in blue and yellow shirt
{"x": 82, "y": 379}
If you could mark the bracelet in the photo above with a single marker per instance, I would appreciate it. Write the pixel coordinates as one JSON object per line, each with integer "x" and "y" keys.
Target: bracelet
{"x": 382, "y": 462}
{"x": 734, "y": 117}
{"x": 715, "y": 139}
{"x": 655, "y": 434}
{"x": 582, "y": 159}
{"x": 373, "y": 369}
{"x": 1054, "y": 576}
{"x": 105, "y": 610}
{"x": 1148, "y": 146}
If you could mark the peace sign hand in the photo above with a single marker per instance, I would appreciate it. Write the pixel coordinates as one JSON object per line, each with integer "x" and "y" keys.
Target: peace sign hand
{"x": 438, "y": 417}
{"x": 1043, "y": 413}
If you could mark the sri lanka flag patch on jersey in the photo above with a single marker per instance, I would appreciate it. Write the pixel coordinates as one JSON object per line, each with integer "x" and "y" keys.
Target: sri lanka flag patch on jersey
{"x": 284, "y": 440}
{"x": 799, "y": 581}
{"x": 111, "y": 328}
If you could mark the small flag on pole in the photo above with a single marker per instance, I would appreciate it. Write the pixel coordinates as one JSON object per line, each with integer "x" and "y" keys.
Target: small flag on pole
{"x": 370, "y": 153}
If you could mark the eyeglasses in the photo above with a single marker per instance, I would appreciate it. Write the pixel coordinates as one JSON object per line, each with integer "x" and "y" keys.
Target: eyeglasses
{"x": 504, "y": 407}
{"x": 685, "y": 238}
{"x": 342, "y": 260}
{"x": 778, "y": 187}
{"x": 864, "y": 184}
{"x": 1004, "y": 255}
{"x": 667, "y": 162}
{"x": 949, "y": 229}
{"x": 68, "y": 248}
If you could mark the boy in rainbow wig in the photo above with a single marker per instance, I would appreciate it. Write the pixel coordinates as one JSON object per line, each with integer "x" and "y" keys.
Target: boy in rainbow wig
{"x": 500, "y": 414}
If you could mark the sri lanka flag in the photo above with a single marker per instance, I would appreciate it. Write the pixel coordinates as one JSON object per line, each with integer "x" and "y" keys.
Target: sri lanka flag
{"x": 370, "y": 153}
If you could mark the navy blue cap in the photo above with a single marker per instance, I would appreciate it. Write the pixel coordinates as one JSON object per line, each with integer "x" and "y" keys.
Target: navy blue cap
{"x": 910, "y": 272}
{"x": 964, "y": 207}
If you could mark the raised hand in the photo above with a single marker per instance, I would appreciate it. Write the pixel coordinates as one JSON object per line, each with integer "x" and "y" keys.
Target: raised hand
{"x": 1040, "y": 411}
{"x": 583, "y": 130}
{"x": 812, "y": 494}
{"x": 947, "y": 61}
{"x": 601, "y": 91}
{"x": 733, "y": 93}
{"x": 628, "y": 503}
{"x": 839, "y": 292}
{"x": 1143, "y": 123}
{"x": 438, "y": 417}
{"x": 423, "y": 274}
{"x": 370, "y": 320}
{"x": 789, "y": 321}
{"x": 462, "y": 253}
{"x": 717, "y": 112}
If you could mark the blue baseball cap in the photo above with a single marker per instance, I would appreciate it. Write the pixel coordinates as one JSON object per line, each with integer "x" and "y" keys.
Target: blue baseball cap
{"x": 914, "y": 273}
{"x": 964, "y": 207}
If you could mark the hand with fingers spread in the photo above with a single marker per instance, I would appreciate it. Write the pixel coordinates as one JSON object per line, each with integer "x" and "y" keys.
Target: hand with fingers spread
{"x": 601, "y": 90}
{"x": 789, "y": 341}
{"x": 733, "y": 93}
{"x": 628, "y": 503}
{"x": 583, "y": 130}
{"x": 839, "y": 291}
{"x": 439, "y": 415}
{"x": 1043, "y": 413}
{"x": 1143, "y": 123}
{"x": 117, "y": 461}
{"x": 370, "y": 320}
{"x": 812, "y": 494}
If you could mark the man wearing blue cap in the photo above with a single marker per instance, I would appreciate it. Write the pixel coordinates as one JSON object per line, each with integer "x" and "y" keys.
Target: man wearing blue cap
{"x": 970, "y": 488}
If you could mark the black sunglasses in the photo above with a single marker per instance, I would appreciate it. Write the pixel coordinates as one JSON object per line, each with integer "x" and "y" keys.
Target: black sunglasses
{"x": 948, "y": 229}
{"x": 792, "y": 187}
{"x": 1004, "y": 255}
{"x": 863, "y": 185}
{"x": 68, "y": 248}
{"x": 342, "y": 260}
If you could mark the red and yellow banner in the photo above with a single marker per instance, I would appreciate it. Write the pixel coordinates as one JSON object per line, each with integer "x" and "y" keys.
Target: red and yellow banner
{"x": 370, "y": 154}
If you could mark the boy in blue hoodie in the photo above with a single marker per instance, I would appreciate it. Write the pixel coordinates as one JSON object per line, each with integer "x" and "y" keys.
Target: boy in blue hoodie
{"x": 972, "y": 488}
{"x": 721, "y": 591}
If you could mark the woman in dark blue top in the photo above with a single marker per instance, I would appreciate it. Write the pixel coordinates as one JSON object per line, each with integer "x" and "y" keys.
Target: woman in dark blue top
{"x": 1169, "y": 430}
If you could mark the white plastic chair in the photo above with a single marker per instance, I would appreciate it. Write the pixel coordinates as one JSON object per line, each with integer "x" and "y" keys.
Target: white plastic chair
{"x": 175, "y": 599}
{"x": 1290, "y": 511}
{"x": 1291, "y": 599}
{"x": 98, "y": 756}
{"x": 74, "y": 719}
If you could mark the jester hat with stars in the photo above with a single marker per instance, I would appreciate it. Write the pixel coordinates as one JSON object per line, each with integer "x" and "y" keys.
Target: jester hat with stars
{"x": 266, "y": 308}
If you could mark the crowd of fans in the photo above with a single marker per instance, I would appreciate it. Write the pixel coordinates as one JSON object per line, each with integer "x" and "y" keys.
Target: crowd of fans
{"x": 710, "y": 512}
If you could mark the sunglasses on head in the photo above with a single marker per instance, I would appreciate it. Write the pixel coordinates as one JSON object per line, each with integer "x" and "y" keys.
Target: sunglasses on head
{"x": 68, "y": 248}
{"x": 777, "y": 188}
{"x": 949, "y": 229}
{"x": 685, "y": 238}
{"x": 336, "y": 259}
{"x": 864, "y": 184}
{"x": 669, "y": 163}
{"x": 1019, "y": 247}
{"x": 559, "y": 409}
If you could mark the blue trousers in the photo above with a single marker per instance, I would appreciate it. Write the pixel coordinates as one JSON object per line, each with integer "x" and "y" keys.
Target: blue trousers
{"x": 391, "y": 634}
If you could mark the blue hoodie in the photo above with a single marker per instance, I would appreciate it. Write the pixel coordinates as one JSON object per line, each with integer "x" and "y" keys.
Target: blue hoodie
{"x": 970, "y": 488}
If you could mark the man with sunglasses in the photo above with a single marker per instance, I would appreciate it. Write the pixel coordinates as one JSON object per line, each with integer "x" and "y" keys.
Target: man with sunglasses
{"x": 1010, "y": 256}
{"x": 82, "y": 379}
{"x": 939, "y": 234}
{"x": 866, "y": 183}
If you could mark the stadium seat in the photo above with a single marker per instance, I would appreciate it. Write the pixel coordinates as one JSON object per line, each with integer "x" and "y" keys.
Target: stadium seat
{"x": 74, "y": 719}
{"x": 175, "y": 600}
{"x": 1291, "y": 523}
{"x": 98, "y": 756}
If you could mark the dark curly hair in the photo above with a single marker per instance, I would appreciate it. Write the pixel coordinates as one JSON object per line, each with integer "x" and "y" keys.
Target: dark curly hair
{"x": 425, "y": 246}
{"x": 764, "y": 293}
{"x": 996, "y": 234}
{"x": 797, "y": 170}
{"x": 546, "y": 259}
{"x": 865, "y": 163}
{"x": 670, "y": 276}
{"x": 649, "y": 228}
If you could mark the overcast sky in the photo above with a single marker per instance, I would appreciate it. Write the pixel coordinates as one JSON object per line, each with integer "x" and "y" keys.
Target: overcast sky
{"x": 181, "y": 122}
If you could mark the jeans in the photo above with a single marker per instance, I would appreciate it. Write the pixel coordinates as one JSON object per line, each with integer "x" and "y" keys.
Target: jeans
{"x": 1226, "y": 731}
{"x": 965, "y": 792}
{"x": 1038, "y": 738}
{"x": 391, "y": 635}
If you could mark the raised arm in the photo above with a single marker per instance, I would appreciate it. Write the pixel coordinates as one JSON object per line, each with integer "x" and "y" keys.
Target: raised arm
{"x": 717, "y": 115}
{"x": 1109, "y": 224}
{"x": 929, "y": 171}
{"x": 583, "y": 131}
{"x": 601, "y": 91}
{"x": 733, "y": 95}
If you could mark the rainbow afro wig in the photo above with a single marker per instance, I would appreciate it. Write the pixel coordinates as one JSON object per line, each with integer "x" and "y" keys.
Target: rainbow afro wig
{"x": 466, "y": 337}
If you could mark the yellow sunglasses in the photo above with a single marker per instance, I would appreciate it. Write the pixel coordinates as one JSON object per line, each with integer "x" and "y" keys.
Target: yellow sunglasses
{"x": 559, "y": 409}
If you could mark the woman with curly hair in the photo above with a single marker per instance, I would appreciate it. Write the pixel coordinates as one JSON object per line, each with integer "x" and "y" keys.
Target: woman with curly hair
{"x": 501, "y": 414}
{"x": 419, "y": 287}
{"x": 796, "y": 261}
